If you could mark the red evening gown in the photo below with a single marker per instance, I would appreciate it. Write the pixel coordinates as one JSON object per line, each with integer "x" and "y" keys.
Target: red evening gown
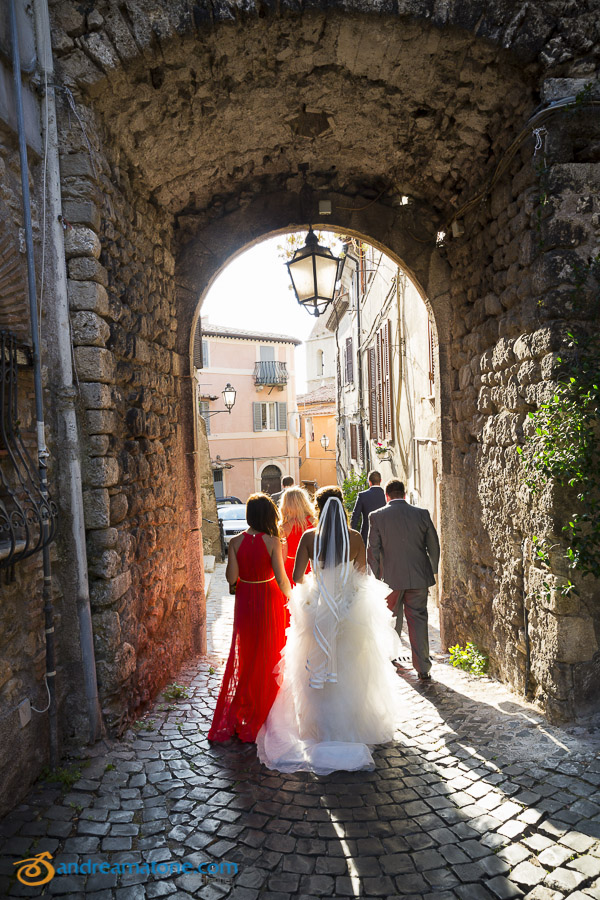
{"x": 293, "y": 539}
{"x": 249, "y": 685}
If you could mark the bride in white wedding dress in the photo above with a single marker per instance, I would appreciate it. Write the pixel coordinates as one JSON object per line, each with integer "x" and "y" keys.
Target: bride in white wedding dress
{"x": 339, "y": 691}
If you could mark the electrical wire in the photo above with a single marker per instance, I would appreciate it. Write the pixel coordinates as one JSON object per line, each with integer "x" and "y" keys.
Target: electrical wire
{"x": 47, "y": 707}
{"x": 530, "y": 128}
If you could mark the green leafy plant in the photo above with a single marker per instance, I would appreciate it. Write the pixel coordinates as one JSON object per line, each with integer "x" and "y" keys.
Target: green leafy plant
{"x": 144, "y": 725}
{"x": 109, "y": 767}
{"x": 176, "y": 692}
{"x": 352, "y": 486}
{"x": 66, "y": 776}
{"x": 564, "y": 447}
{"x": 211, "y": 670}
{"x": 468, "y": 658}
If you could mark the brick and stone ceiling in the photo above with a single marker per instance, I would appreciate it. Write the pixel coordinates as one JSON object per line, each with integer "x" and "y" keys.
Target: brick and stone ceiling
{"x": 209, "y": 113}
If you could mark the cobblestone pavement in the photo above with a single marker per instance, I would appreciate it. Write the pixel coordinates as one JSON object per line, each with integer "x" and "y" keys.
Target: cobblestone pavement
{"x": 478, "y": 798}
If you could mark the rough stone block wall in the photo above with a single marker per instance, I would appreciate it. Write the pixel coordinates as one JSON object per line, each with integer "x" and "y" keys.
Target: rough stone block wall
{"x": 23, "y": 750}
{"x": 144, "y": 548}
{"x": 512, "y": 284}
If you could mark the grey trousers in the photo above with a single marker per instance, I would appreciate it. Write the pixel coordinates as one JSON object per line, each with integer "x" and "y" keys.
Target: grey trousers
{"x": 413, "y": 604}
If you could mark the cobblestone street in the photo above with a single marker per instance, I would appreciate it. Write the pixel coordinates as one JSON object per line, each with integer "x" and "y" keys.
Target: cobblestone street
{"x": 478, "y": 798}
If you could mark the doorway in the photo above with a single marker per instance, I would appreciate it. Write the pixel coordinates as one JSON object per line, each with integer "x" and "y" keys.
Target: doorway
{"x": 270, "y": 480}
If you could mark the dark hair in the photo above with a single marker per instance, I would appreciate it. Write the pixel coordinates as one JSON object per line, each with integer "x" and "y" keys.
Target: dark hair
{"x": 321, "y": 498}
{"x": 287, "y": 481}
{"x": 393, "y": 487}
{"x": 374, "y": 477}
{"x": 262, "y": 514}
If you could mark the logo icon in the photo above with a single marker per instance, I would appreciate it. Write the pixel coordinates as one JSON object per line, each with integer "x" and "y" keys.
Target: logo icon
{"x": 35, "y": 870}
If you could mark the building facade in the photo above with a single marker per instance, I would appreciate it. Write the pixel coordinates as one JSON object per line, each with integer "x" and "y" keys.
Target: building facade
{"x": 385, "y": 377}
{"x": 318, "y": 437}
{"x": 255, "y": 445}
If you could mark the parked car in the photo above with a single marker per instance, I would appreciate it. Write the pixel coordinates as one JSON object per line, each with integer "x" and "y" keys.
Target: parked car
{"x": 233, "y": 518}
{"x": 227, "y": 501}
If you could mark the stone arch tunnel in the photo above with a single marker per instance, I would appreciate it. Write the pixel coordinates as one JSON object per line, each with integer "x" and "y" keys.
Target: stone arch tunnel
{"x": 192, "y": 122}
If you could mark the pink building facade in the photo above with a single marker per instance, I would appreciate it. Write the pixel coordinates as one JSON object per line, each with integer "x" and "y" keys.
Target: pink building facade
{"x": 256, "y": 445}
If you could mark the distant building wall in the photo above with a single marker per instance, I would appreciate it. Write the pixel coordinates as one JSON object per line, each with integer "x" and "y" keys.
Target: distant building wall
{"x": 259, "y": 431}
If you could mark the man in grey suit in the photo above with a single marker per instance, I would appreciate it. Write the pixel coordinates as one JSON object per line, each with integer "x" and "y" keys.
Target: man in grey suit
{"x": 286, "y": 482}
{"x": 366, "y": 502}
{"x": 404, "y": 552}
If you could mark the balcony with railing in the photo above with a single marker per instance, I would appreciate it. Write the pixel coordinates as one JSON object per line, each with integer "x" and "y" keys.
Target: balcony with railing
{"x": 270, "y": 372}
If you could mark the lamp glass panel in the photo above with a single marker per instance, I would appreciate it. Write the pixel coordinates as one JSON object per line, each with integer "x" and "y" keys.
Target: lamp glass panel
{"x": 301, "y": 271}
{"x": 327, "y": 267}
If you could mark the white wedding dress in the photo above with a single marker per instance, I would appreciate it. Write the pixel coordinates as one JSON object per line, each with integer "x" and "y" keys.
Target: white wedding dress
{"x": 339, "y": 691}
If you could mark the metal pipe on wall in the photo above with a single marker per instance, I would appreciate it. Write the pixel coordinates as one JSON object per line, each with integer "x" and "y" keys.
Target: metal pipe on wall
{"x": 60, "y": 364}
{"x": 37, "y": 380}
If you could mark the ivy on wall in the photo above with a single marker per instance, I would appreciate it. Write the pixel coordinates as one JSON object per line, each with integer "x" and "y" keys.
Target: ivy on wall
{"x": 564, "y": 448}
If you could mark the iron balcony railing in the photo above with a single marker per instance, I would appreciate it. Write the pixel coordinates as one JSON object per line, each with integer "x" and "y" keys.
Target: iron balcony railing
{"x": 270, "y": 372}
{"x": 27, "y": 518}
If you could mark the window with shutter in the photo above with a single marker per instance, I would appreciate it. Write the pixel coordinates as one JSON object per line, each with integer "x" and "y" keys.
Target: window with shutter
{"x": 257, "y": 416}
{"x": 353, "y": 442}
{"x": 380, "y": 391}
{"x": 349, "y": 361}
{"x": 361, "y": 445}
{"x": 200, "y": 348}
{"x": 372, "y": 393}
{"x": 267, "y": 354}
{"x": 282, "y": 424}
{"x": 204, "y": 406}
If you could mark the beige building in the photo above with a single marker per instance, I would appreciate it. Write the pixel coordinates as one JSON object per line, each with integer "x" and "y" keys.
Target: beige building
{"x": 255, "y": 445}
{"x": 318, "y": 437}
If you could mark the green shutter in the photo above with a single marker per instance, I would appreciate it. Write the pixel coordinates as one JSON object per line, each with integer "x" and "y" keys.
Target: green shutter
{"x": 282, "y": 417}
{"x": 257, "y": 414}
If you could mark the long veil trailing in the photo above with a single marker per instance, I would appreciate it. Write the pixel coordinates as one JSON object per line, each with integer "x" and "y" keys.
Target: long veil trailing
{"x": 331, "y": 566}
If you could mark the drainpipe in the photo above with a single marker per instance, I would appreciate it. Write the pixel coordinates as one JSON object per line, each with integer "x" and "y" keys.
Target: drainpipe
{"x": 37, "y": 380}
{"x": 60, "y": 364}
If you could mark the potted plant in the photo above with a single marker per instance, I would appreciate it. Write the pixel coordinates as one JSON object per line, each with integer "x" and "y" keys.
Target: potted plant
{"x": 383, "y": 450}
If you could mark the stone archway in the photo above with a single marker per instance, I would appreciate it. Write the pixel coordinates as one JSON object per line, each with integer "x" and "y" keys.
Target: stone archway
{"x": 197, "y": 128}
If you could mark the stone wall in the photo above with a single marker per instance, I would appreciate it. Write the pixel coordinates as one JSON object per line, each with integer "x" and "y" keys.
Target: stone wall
{"x": 144, "y": 547}
{"x": 181, "y": 183}
{"x": 512, "y": 308}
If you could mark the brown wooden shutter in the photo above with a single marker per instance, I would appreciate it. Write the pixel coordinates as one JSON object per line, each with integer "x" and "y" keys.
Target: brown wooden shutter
{"x": 361, "y": 445}
{"x": 198, "y": 355}
{"x": 387, "y": 381}
{"x": 380, "y": 400}
{"x": 353, "y": 442}
{"x": 349, "y": 362}
{"x": 372, "y": 393}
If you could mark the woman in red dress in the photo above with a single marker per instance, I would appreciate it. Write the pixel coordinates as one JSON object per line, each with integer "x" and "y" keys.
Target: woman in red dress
{"x": 297, "y": 514}
{"x": 255, "y": 566}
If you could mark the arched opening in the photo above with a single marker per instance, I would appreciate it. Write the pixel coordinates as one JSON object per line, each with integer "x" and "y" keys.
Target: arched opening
{"x": 270, "y": 479}
{"x": 367, "y": 138}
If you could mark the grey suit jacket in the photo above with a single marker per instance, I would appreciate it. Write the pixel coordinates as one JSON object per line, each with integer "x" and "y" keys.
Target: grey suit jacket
{"x": 404, "y": 550}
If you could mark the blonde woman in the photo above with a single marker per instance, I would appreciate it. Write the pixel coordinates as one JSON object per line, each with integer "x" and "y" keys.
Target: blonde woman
{"x": 297, "y": 514}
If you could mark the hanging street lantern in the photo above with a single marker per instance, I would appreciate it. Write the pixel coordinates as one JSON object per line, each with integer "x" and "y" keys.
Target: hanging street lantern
{"x": 314, "y": 271}
{"x": 228, "y": 397}
{"x": 324, "y": 442}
